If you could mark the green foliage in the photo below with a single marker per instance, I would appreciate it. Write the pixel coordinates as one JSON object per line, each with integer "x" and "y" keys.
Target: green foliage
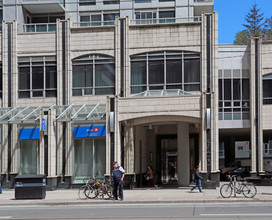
{"x": 267, "y": 31}
{"x": 255, "y": 27}
{"x": 254, "y": 24}
{"x": 242, "y": 38}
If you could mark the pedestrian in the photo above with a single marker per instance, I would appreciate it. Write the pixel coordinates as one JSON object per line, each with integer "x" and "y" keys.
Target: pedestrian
{"x": 118, "y": 175}
{"x": 149, "y": 177}
{"x": 197, "y": 180}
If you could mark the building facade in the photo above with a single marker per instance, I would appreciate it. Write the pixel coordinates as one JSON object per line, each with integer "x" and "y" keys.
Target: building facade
{"x": 142, "y": 82}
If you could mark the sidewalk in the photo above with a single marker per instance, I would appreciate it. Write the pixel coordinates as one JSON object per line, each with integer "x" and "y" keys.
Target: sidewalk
{"x": 177, "y": 195}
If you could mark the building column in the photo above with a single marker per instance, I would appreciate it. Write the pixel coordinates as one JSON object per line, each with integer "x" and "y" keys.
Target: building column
{"x": 183, "y": 154}
{"x": 129, "y": 148}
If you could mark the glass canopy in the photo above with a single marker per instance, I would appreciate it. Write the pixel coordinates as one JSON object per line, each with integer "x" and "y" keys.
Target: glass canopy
{"x": 165, "y": 92}
{"x": 64, "y": 113}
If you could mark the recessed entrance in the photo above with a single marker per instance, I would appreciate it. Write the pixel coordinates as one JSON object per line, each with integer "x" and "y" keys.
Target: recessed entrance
{"x": 167, "y": 159}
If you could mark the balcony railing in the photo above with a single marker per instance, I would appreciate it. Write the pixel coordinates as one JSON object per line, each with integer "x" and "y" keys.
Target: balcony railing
{"x": 48, "y": 27}
{"x": 94, "y": 24}
{"x": 165, "y": 20}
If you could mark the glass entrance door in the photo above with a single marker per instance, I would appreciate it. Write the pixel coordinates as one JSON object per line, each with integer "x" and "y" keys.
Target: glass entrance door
{"x": 169, "y": 161}
{"x": 29, "y": 157}
{"x": 89, "y": 158}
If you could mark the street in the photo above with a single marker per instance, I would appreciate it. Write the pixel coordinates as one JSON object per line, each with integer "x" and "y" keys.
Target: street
{"x": 251, "y": 210}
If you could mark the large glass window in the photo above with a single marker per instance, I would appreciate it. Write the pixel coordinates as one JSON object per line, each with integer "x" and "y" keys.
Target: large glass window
{"x": 267, "y": 89}
{"x": 90, "y": 158}
{"x": 87, "y": 2}
{"x": 37, "y": 77}
{"x": 93, "y": 75}
{"x": 98, "y": 19}
{"x": 29, "y": 157}
{"x": 165, "y": 70}
{"x": 233, "y": 95}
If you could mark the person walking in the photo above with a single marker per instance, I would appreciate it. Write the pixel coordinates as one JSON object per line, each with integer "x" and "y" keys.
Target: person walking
{"x": 118, "y": 175}
{"x": 198, "y": 179}
{"x": 149, "y": 177}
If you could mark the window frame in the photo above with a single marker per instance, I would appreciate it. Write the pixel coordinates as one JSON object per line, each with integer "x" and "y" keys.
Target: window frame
{"x": 93, "y": 61}
{"x": 164, "y": 56}
{"x": 32, "y": 62}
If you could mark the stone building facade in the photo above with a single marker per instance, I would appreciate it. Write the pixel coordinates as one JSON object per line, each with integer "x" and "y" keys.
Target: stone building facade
{"x": 86, "y": 83}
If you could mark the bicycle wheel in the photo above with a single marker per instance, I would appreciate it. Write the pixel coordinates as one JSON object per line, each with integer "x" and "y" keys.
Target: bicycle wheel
{"x": 109, "y": 189}
{"x": 82, "y": 192}
{"x": 249, "y": 190}
{"x": 92, "y": 192}
{"x": 226, "y": 190}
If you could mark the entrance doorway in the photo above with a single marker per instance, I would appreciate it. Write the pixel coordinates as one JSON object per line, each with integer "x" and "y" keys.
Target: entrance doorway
{"x": 167, "y": 164}
{"x": 29, "y": 157}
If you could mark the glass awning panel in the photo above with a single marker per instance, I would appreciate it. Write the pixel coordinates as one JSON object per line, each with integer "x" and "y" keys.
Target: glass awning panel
{"x": 166, "y": 92}
{"x": 28, "y": 114}
{"x": 7, "y": 113}
{"x": 31, "y": 114}
{"x": 81, "y": 112}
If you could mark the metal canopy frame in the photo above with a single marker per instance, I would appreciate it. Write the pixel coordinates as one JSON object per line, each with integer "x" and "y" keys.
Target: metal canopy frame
{"x": 67, "y": 113}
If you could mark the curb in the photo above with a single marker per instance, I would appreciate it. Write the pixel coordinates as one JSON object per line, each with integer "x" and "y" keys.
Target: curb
{"x": 228, "y": 200}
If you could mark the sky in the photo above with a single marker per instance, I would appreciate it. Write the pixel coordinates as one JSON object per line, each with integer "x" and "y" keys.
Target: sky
{"x": 231, "y": 16}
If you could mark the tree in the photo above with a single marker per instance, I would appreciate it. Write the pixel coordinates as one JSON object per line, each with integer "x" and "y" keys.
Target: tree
{"x": 253, "y": 25}
{"x": 242, "y": 38}
{"x": 254, "y": 22}
{"x": 267, "y": 32}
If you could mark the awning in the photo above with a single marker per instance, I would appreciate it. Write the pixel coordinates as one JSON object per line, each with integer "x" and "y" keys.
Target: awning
{"x": 79, "y": 113}
{"x": 164, "y": 92}
{"x": 65, "y": 113}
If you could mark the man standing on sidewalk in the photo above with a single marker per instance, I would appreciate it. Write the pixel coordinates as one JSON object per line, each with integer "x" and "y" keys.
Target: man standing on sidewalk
{"x": 118, "y": 175}
{"x": 198, "y": 179}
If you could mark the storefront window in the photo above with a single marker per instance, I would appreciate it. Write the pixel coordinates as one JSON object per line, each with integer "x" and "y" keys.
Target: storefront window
{"x": 90, "y": 158}
{"x": 29, "y": 157}
{"x": 93, "y": 75}
{"x": 165, "y": 70}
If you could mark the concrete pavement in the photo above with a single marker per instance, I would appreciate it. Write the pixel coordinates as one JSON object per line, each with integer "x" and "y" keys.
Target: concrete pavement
{"x": 160, "y": 195}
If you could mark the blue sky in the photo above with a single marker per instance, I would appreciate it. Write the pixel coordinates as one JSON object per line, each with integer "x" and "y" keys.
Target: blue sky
{"x": 231, "y": 15}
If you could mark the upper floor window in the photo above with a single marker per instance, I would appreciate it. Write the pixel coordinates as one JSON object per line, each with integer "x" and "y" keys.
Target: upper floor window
{"x": 165, "y": 70}
{"x": 111, "y": 2}
{"x": 93, "y": 75}
{"x": 267, "y": 89}
{"x": 234, "y": 94}
{"x": 37, "y": 77}
{"x": 87, "y": 2}
{"x": 98, "y": 19}
{"x": 154, "y": 16}
{"x": 142, "y": 1}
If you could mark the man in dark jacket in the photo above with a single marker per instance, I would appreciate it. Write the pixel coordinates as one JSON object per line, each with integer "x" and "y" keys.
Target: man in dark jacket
{"x": 198, "y": 179}
{"x": 118, "y": 175}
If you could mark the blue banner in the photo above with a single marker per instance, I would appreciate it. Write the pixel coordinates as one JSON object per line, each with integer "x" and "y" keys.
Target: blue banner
{"x": 29, "y": 133}
{"x": 90, "y": 131}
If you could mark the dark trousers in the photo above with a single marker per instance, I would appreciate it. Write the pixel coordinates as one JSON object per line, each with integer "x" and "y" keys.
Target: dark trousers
{"x": 118, "y": 184}
{"x": 197, "y": 184}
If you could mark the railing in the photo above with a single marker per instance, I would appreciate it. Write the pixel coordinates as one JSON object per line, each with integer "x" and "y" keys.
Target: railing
{"x": 165, "y": 20}
{"x": 48, "y": 27}
{"x": 94, "y": 23}
{"x": 42, "y": 1}
{"x": 203, "y": 0}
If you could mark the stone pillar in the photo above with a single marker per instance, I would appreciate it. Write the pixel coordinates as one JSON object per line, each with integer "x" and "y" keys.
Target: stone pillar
{"x": 183, "y": 154}
{"x": 129, "y": 148}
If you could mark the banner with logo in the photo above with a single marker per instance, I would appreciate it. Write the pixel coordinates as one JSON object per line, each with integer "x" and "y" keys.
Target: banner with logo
{"x": 90, "y": 131}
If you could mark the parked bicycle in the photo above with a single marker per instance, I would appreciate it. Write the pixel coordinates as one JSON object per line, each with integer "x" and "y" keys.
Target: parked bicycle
{"x": 237, "y": 187}
{"x": 94, "y": 188}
